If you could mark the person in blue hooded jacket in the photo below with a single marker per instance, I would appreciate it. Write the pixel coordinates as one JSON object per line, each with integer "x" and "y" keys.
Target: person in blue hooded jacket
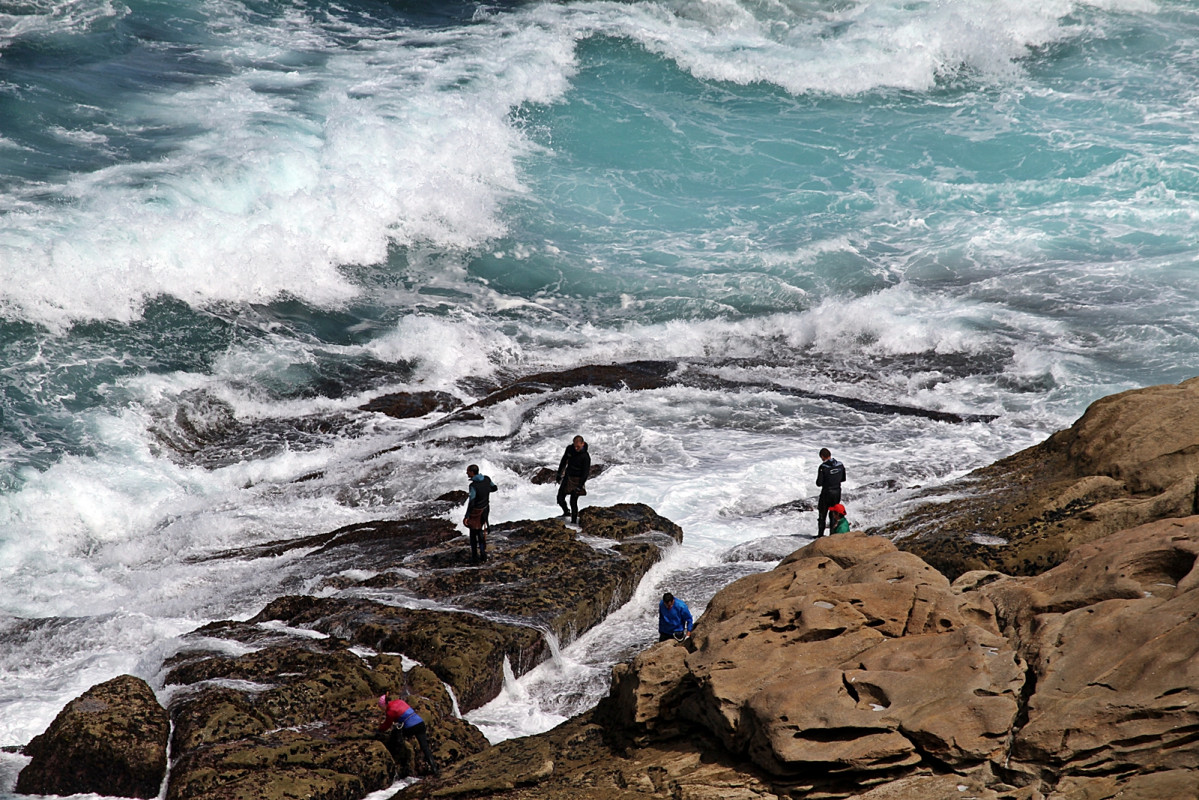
{"x": 674, "y": 619}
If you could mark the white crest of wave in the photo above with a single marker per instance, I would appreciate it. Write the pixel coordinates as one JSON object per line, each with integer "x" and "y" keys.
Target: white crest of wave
{"x": 32, "y": 18}
{"x": 894, "y": 321}
{"x": 444, "y": 350}
{"x": 844, "y": 48}
{"x": 287, "y": 175}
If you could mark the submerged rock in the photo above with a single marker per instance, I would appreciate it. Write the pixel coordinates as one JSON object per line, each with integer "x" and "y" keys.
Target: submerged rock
{"x": 405, "y": 405}
{"x": 112, "y": 740}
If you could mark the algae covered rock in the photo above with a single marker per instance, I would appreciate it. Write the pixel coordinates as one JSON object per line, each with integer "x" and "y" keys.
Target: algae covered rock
{"x": 283, "y": 705}
{"x": 301, "y": 721}
{"x": 112, "y": 740}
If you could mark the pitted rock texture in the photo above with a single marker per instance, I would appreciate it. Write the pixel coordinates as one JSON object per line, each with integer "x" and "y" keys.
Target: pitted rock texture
{"x": 112, "y": 740}
{"x": 855, "y": 670}
{"x": 1132, "y": 458}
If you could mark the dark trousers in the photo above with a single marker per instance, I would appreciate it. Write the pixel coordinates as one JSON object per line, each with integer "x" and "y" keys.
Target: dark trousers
{"x": 478, "y": 539}
{"x": 826, "y": 500}
{"x": 574, "y": 501}
{"x": 422, "y": 738}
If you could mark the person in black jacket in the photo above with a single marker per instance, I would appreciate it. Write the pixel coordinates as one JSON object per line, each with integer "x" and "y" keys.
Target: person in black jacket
{"x": 478, "y": 507}
{"x": 572, "y": 476}
{"x": 829, "y": 476}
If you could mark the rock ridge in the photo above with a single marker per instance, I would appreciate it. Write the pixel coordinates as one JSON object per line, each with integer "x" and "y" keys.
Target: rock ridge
{"x": 856, "y": 670}
{"x": 282, "y": 705}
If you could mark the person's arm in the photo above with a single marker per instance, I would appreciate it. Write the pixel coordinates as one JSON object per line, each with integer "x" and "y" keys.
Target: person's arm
{"x": 562, "y": 464}
{"x": 586, "y": 468}
{"x": 820, "y": 475}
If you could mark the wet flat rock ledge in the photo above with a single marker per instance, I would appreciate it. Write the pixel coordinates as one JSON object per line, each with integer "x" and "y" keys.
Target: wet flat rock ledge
{"x": 283, "y": 705}
{"x": 855, "y": 670}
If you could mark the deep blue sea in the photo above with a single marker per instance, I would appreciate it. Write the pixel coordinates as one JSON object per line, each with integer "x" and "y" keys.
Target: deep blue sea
{"x": 246, "y": 214}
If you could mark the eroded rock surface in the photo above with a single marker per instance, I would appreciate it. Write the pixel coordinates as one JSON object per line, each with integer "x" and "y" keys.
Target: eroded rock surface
{"x": 295, "y": 715}
{"x": 1132, "y": 458}
{"x": 855, "y": 670}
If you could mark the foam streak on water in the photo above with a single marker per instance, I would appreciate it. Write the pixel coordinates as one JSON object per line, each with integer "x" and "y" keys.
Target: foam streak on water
{"x": 225, "y": 225}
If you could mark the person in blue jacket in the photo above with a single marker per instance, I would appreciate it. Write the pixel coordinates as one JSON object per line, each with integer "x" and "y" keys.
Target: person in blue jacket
{"x": 410, "y": 724}
{"x": 674, "y": 619}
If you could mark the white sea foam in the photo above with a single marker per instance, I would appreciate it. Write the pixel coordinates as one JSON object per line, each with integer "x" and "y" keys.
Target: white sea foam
{"x": 402, "y": 140}
{"x": 840, "y": 48}
{"x": 29, "y": 19}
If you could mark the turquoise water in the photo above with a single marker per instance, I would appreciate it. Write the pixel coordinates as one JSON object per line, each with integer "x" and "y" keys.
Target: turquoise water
{"x": 261, "y": 214}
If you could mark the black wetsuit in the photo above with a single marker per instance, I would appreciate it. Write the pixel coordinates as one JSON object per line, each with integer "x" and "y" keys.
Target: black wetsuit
{"x": 572, "y": 478}
{"x": 829, "y": 476}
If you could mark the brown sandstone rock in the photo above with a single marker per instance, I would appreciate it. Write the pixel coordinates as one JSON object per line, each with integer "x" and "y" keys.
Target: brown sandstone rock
{"x": 1110, "y": 637}
{"x": 111, "y": 740}
{"x": 1132, "y": 458}
{"x": 853, "y": 670}
{"x": 851, "y": 657}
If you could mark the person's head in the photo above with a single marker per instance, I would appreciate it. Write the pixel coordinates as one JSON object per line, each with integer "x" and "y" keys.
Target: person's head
{"x": 578, "y": 442}
{"x": 472, "y": 470}
{"x": 825, "y": 455}
{"x": 668, "y": 600}
{"x": 383, "y": 702}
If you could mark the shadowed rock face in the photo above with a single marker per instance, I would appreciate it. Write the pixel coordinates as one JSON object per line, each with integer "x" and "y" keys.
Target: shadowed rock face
{"x": 854, "y": 670}
{"x": 112, "y": 740}
{"x": 1132, "y": 458}
{"x": 290, "y": 721}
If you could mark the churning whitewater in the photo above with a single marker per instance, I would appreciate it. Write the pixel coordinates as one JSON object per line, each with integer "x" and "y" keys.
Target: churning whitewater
{"x": 227, "y": 225}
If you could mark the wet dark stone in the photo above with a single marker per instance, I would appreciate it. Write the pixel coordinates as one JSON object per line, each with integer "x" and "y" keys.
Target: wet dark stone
{"x": 296, "y": 716}
{"x": 546, "y": 475}
{"x": 406, "y": 405}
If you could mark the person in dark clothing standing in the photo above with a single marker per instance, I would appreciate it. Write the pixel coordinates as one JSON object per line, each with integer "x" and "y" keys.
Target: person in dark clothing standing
{"x": 478, "y": 506}
{"x": 829, "y": 476}
{"x": 572, "y": 476}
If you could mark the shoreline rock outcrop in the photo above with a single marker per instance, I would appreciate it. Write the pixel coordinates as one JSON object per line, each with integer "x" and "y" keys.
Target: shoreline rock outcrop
{"x": 855, "y": 670}
{"x": 1026, "y": 633}
{"x": 111, "y": 740}
{"x": 1131, "y": 458}
{"x": 283, "y": 705}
